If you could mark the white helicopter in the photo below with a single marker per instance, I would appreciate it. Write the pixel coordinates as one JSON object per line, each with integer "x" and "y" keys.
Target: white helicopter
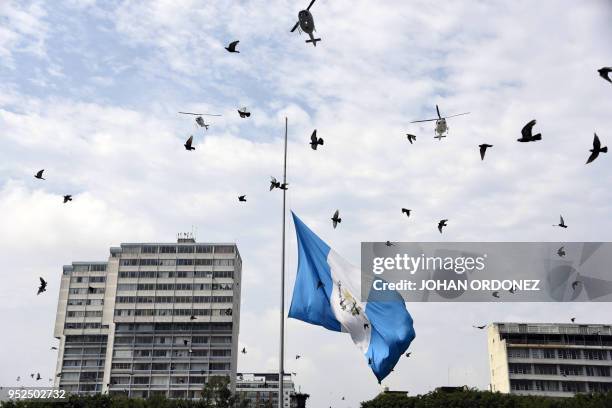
{"x": 199, "y": 120}
{"x": 441, "y": 126}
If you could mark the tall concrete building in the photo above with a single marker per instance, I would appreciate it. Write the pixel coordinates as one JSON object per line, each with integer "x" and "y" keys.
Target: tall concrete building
{"x": 261, "y": 390}
{"x": 155, "y": 318}
{"x": 557, "y": 360}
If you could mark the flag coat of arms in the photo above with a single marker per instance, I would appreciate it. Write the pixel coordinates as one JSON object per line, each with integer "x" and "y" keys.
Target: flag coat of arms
{"x": 326, "y": 293}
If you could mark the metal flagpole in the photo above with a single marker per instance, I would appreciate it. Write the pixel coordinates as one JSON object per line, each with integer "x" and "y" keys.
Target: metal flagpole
{"x": 281, "y": 374}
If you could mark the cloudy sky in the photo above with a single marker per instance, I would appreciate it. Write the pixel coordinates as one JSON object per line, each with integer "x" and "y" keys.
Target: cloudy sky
{"x": 90, "y": 91}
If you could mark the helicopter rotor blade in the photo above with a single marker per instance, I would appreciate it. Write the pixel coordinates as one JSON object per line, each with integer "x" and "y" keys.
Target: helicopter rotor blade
{"x": 424, "y": 120}
{"x": 295, "y": 26}
{"x": 459, "y": 114}
{"x": 310, "y": 5}
{"x": 198, "y": 114}
{"x": 438, "y": 110}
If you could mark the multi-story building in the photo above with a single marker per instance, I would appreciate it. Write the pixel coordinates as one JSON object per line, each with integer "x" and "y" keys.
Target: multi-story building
{"x": 154, "y": 319}
{"x": 550, "y": 359}
{"x": 261, "y": 390}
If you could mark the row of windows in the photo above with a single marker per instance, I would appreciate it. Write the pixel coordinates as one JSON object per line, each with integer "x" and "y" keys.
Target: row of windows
{"x": 180, "y": 249}
{"x": 179, "y": 340}
{"x": 173, "y": 312}
{"x": 83, "y": 302}
{"x": 89, "y": 268}
{"x": 86, "y": 279}
{"x": 565, "y": 354}
{"x": 173, "y": 286}
{"x": 82, "y": 313}
{"x": 174, "y": 299}
{"x": 85, "y": 326}
{"x": 82, "y": 363}
{"x": 553, "y": 369}
{"x": 89, "y": 290}
{"x": 84, "y": 350}
{"x": 565, "y": 386}
{"x": 176, "y": 262}
{"x": 173, "y": 327}
{"x": 86, "y": 338}
{"x": 176, "y": 274}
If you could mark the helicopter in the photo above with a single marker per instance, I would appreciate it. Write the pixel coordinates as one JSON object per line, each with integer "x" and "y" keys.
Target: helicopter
{"x": 441, "y": 126}
{"x": 199, "y": 118}
{"x": 306, "y": 24}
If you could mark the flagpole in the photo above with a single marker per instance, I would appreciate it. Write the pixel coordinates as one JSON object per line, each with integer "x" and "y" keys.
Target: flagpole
{"x": 281, "y": 374}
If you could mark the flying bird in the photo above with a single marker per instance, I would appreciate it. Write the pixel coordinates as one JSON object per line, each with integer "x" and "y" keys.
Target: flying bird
{"x": 277, "y": 184}
{"x": 575, "y": 284}
{"x": 314, "y": 141}
{"x": 527, "y": 135}
{"x": 243, "y": 350}
{"x": 605, "y": 73}
{"x": 336, "y": 218}
{"x": 242, "y": 198}
{"x": 43, "y": 286}
{"x": 39, "y": 174}
{"x": 406, "y": 211}
{"x": 232, "y": 47}
{"x": 192, "y": 317}
{"x": 38, "y": 377}
{"x": 407, "y": 354}
{"x": 53, "y": 348}
{"x": 297, "y": 356}
{"x": 483, "y": 149}
{"x": 561, "y": 223}
{"x": 573, "y": 319}
{"x": 442, "y": 224}
{"x": 596, "y": 149}
{"x": 366, "y": 326}
{"x": 496, "y": 294}
{"x": 389, "y": 243}
{"x": 67, "y": 198}
{"x": 411, "y": 138}
{"x": 188, "y": 143}
{"x": 480, "y": 327}
{"x": 244, "y": 113}
{"x": 561, "y": 251}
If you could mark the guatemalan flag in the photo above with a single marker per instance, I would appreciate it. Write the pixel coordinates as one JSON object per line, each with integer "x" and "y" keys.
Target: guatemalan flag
{"x": 326, "y": 293}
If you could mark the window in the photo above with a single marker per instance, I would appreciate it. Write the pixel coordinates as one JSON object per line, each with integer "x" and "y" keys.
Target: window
{"x": 149, "y": 249}
{"x": 167, "y": 249}
{"x": 204, "y": 249}
{"x": 183, "y": 262}
{"x": 518, "y": 353}
{"x": 186, "y": 249}
{"x": 519, "y": 368}
{"x": 520, "y": 385}
{"x": 129, "y": 262}
{"x": 224, "y": 249}
{"x": 98, "y": 268}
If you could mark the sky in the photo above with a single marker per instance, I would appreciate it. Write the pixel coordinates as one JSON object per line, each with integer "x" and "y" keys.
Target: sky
{"x": 90, "y": 92}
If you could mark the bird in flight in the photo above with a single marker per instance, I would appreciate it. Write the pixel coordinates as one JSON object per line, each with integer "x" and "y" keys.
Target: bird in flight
{"x": 188, "y": 143}
{"x": 605, "y": 73}
{"x": 244, "y": 113}
{"x": 53, "y": 348}
{"x": 527, "y": 135}
{"x": 192, "y": 317}
{"x": 336, "y": 218}
{"x": 496, "y": 294}
{"x": 297, "y": 356}
{"x": 561, "y": 223}
{"x": 561, "y": 251}
{"x": 389, "y": 243}
{"x": 573, "y": 319}
{"x": 232, "y": 47}
{"x": 39, "y": 174}
{"x": 366, "y": 326}
{"x": 411, "y": 138}
{"x": 315, "y": 141}
{"x": 575, "y": 284}
{"x": 480, "y": 327}
{"x": 38, "y": 377}
{"x": 277, "y": 184}
{"x": 42, "y": 287}
{"x": 596, "y": 149}
{"x": 442, "y": 224}
{"x": 67, "y": 198}
{"x": 406, "y": 211}
{"x": 242, "y": 198}
{"x": 243, "y": 350}
{"x": 483, "y": 149}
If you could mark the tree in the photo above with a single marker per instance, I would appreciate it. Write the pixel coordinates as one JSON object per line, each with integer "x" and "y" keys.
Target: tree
{"x": 217, "y": 394}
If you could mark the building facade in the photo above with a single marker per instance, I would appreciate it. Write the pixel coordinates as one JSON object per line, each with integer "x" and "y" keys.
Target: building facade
{"x": 155, "y": 319}
{"x": 260, "y": 390}
{"x": 557, "y": 360}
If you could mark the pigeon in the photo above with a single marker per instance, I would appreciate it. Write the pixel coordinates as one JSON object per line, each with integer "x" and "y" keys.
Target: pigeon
{"x": 342, "y": 398}
{"x": 67, "y": 198}
{"x": 389, "y": 243}
{"x": 39, "y": 174}
{"x": 336, "y": 218}
{"x": 314, "y": 141}
{"x": 232, "y": 47}
{"x": 277, "y": 184}
{"x": 442, "y": 224}
{"x": 605, "y": 73}
{"x": 407, "y": 354}
{"x": 242, "y": 198}
{"x": 480, "y": 327}
{"x": 293, "y": 373}
{"x": 483, "y": 149}
{"x": 244, "y": 113}
{"x": 411, "y": 138}
{"x": 192, "y": 317}
{"x": 561, "y": 251}
{"x": 297, "y": 356}
{"x": 596, "y": 149}
{"x": 526, "y": 133}
{"x": 43, "y": 286}
{"x": 573, "y": 319}
{"x": 188, "y": 143}
{"x": 243, "y": 350}
{"x": 53, "y": 348}
{"x": 561, "y": 223}
{"x": 575, "y": 284}
{"x": 185, "y": 342}
{"x": 38, "y": 377}
{"x": 496, "y": 294}
{"x": 366, "y": 326}
{"x": 406, "y": 211}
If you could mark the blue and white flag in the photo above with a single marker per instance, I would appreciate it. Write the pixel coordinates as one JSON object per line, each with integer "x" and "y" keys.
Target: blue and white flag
{"x": 326, "y": 293}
